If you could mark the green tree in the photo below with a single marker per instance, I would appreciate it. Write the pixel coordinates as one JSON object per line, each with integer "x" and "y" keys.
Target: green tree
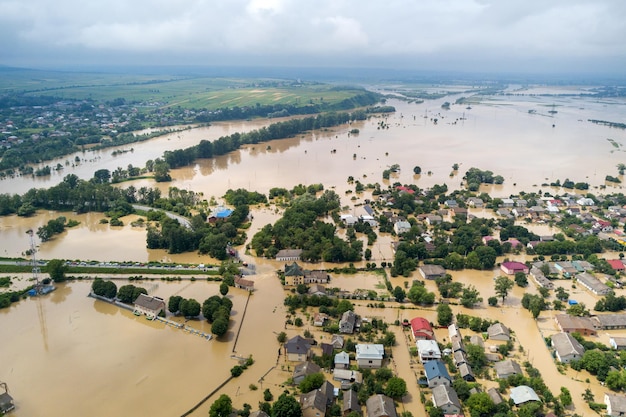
{"x": 129, "y": 293}
{"x": 267, "y": 395}
{"x": 396, "y": 388}
{"x": 282, "y": 338}
{"x": 503, "y": 285}
{"x": 161, "y": 171}
{"x": 223, "y": 288}
{"x": 286, "y": 406}
{"x": 578, "y": 310}
{"x": 103, "y": 288}
{"x": 343, "y": 306}
{"x": 444, "y": 315}
{"x": 56, "y": 269}
{"x": 418, "y": 294}
{"x": 173, "y": 304}
{"x": 476, "y": 357}
{"x": 481, "y": 404}
{"x": 470, "y": 297}
{"x": 222, "y": 407}
{"x": 399, "y": 294}
{"x": 219, "y": 327}
{"x": 565, "y": 397}
{"x": 435, "y": 412}
{"x": 521, "y": 280}
{"x": 236, "y": 370}
{"x": 311, "y": 382}
{"x": 417, "y": 170}
{"x": 190, "y": 308}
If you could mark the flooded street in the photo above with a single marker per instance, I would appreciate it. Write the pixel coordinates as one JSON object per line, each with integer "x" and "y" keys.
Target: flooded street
{"x": 119, "y": 364}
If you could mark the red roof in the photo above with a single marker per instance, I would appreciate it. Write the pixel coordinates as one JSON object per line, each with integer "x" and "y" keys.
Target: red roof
{"x": 514, "y": 242}
{"x": 421, "y": 328}
{"x": 405, "y": 189}
{"x": 616, "y": 264}
{"x": 512, "y": 267}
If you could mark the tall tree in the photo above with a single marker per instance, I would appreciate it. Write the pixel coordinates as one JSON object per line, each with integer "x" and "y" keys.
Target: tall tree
{"x": 56, "y": 269}
{"x": 222, "y": 407}
{"x": 444, "y": 315}
{"x": 503, "y": 285}
{"x": 396, "y": 387}
{"x": 286, "y": 406}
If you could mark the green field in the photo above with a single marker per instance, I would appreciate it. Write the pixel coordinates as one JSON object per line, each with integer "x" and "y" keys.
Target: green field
{"x": 165, "y": 91}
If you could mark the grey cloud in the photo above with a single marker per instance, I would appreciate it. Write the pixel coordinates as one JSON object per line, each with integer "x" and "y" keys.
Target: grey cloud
{"x": 397, "y": 32}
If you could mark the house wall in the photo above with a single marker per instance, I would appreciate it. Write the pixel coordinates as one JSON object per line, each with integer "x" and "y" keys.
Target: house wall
{"x": 296, "y": 357}
{"x": 438, "y": 381}
{"x": 370, "y": 363}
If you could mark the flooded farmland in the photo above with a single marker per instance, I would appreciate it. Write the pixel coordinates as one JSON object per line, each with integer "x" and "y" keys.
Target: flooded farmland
{"x": 113, "y": 363}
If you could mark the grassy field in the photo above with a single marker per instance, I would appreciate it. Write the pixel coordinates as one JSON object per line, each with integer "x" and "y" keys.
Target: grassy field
{"x": 165, "y": 91}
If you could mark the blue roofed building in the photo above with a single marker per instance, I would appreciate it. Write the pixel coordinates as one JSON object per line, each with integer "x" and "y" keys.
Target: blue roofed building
{"x": 437, "y": 374}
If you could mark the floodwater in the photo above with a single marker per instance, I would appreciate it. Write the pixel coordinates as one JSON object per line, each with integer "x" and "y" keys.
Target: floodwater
{"x": 125, "y": 365}
{"x": 118, "y": 364}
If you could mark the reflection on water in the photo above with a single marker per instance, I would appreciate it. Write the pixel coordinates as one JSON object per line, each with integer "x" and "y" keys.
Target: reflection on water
{"x": 60, "y": 294}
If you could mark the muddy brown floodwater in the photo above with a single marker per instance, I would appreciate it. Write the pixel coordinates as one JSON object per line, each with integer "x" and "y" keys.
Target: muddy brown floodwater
{"x": 66, "y": 354}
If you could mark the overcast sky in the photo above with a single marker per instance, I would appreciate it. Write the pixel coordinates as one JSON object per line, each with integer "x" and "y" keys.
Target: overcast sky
{"x": 454, "y": 35}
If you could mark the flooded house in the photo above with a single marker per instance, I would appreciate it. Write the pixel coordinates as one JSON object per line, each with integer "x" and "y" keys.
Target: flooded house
{"x": 571, "y": 324}
{"x": 370, "y": 355}
{"x": 289, "y": 255}
{"x": 499, "y": 331}
{"x": 244, "y": 284}
{"x": 302, "y": 370}
{"x": 342, "y": 360}
{"x": 446, "y": 398}
{"x": 347, "y": 323}
{"x": 298, "y": 349}
{"x": 149, "y": 306}
{"x": 615, "y": 404}
{"x": 6, "y": 401}
{"x": 380, "y": 406}
{"x": 313, "y": 404}
{"x": 421, "y": 329}
{"x": 523, "y": 394}
{"x": 593, "y": 284}
{"x": 511, "y": 268}
{"x": 437, "y": 374}
{"x": 507, "y": 368}
{"x": 350, "y": 403}
{"x": 567, "y": 348}
{"x": 428, "y": 350}
{"x": 432, "y": 271}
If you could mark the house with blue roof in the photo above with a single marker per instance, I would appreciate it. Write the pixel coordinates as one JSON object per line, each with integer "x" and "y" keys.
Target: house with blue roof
{"x": 437, "y": 374}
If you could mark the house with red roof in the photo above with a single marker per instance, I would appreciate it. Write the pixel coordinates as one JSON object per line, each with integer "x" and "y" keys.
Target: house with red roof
{"x": 510, "y": 268}
{"x": 405, "y": 189}
{"x": 514, "y": 242}
{"x": 616, "y": 264}
{"x": 421, "y": 329}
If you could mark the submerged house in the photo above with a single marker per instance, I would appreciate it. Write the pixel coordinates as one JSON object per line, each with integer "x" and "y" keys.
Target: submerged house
{"x": 6, "y": 401}
{"x": 149, "y": 306}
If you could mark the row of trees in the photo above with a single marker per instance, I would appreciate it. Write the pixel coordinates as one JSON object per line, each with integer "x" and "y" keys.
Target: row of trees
{"x": 280, "y": 130}
{"x": 126, "y": 293}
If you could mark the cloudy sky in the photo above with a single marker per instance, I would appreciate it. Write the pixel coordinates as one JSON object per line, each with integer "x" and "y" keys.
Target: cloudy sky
{"x": 454, "y": 35}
